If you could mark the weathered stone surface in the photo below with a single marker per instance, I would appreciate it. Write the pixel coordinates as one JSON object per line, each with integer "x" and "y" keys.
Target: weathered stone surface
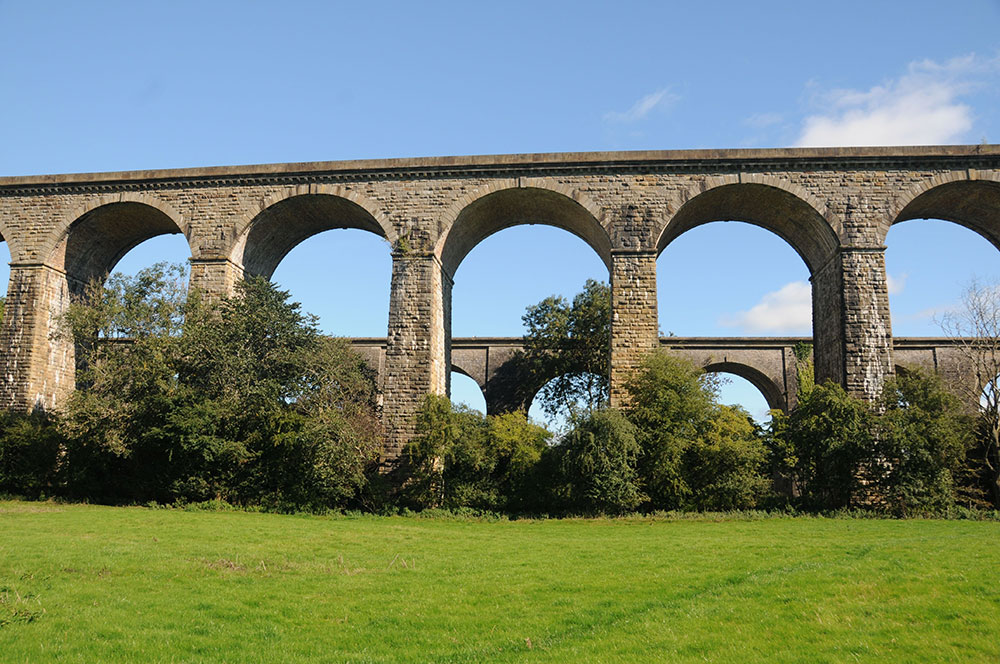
{"x": 833, "y": 206}
{"x": 634, "y": 322}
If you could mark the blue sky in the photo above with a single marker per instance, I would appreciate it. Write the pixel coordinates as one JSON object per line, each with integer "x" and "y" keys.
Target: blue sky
{"x": 125, "y": 85}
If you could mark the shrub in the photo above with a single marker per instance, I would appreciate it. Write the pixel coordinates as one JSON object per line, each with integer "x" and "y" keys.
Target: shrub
{"x": 696, "y": 454}
{"x": 461, "y": 459}
{"x": 30, "y": 449}
{"x": 597, "y": 461}
{"x": 923, "y": 440}
{"x": 823, "y": 444}
{"x": 245, "y": 402}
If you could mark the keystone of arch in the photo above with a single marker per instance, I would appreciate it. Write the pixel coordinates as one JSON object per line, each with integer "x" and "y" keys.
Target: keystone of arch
{"x": 814, "y": 243}
{"x": 590, "y": 224}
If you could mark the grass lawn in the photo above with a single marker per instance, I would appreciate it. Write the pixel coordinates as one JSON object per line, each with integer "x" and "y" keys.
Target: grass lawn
{"x": 99, "y": 584}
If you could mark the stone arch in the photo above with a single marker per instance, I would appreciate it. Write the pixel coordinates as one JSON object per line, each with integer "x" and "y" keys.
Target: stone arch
{"x": 483, "y": 391}
{"x": 90, "y": 241}
{"x": 771, "y": 391}
{"x": 12, "y": 239}
{"x": 458, "y": 367}
{"x": 285, "y": 219}
{"x": 785, "y": 209}
{"x": 503, "y": 204}
{"x": 970, "y": 199}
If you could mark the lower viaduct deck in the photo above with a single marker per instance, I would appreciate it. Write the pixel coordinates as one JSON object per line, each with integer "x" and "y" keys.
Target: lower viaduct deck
{"x": 768, "y": 363}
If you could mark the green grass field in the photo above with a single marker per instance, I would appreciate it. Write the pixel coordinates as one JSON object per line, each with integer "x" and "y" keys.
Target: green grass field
{"x": 100, "y": 584}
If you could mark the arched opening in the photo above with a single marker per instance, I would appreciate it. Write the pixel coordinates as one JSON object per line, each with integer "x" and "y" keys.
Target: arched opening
{"x": 790, "y": 217}
{"x": 343, "y": 277}
{"x": 502, "y": 209}
{"x": 930, "y": 262}
{"x": 974, "y": 204}
{"x": 466, "y": 391}
{"x": 751, "y": 278}
{"x": 750, "y": 389}
{"x": 95, "y": 242}
{"x": 281, "y": 226}
{"x": 498, "y": 270}
{"x": 514, "y": 269}
{"x": 733, "y": 280}
{"x": 331, "y": 253}
{"x": 92, "y": 246}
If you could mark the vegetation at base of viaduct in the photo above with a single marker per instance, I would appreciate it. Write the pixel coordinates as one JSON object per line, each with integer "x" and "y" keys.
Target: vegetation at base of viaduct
{"x": 242, "y": 400}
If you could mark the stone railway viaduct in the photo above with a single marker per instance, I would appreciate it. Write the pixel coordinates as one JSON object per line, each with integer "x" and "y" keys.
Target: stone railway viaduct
{"x": 833, "y": 206}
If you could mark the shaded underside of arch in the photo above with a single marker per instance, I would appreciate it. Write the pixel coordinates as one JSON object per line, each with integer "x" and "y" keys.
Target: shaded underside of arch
{"x": 771, "y": 208}
{"x": 772, "y": 392}
{"x": 514, "y": 207}
{"x": 279, "y": 228}
{"x": 482, "y": 390}
{"x": 96, "y": 241}
{"x": 457, "y": 368}
{"x": 974, "y": 204}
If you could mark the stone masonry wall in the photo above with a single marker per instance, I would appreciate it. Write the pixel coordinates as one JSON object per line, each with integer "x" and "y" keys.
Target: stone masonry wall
{"x": 415, "y": 354}
{"x": 867, "y": 331}
{"x": 634, "y": 321}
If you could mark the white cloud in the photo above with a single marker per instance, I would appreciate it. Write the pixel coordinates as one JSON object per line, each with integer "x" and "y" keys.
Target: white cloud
{"x": 895, "y": 284}
{"x": 642, "y": 108}
{"x": 787, "y": 310}
{"x": 923, "y": 107}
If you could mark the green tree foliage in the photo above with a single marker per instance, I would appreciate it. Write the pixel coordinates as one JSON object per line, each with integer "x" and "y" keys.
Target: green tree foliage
{"x": 30, "y": 448}
{"x": 569, "y": 346}
{"x": 461, "y": 458}
{"x": 243, "y": 400}
{"x": 597, "y": 463}
{"x": 923, "y": 440}
{"x": 696, "y": 453}
{"x": 824, "y": 444}
{"x": 724, "y": 467}
{"x": 907, "y": 452}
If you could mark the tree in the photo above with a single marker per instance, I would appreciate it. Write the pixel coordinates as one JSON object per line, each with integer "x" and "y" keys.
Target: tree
{"x": 569, "y": 346}
{"x": 597, "y": 463}
{"x": 975, "y": 330}
{"x": 696, "y": 453}
{"x": 825, "y": 446}
{"x": 461, "y": 458}
{"x": 242, "y": 400}
{"x": 923, "y": 439}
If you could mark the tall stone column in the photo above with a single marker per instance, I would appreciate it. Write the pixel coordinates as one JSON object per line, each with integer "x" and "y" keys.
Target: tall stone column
{"x": 851, "y": 321}
{"x": 828, "y": 321}
{"x": 867, "y": 323}
{"x": 215, "y": 277}
{"x": 634, "y": 322}
{"x": 416, "y": 357}
{"x": 39, "y": 359}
